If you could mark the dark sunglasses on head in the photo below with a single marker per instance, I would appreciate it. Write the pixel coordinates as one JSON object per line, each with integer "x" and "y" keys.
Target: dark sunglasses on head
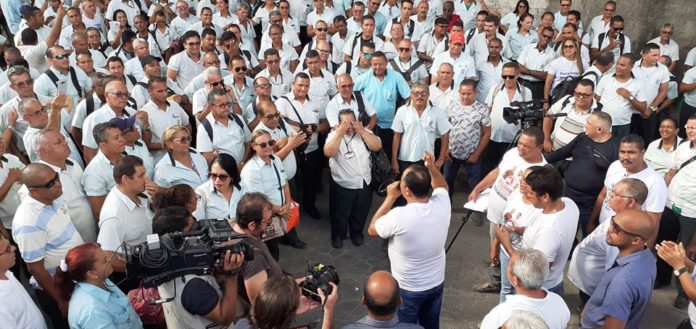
{"x": 48, "y": 184}
{"x": 264, "y": 144}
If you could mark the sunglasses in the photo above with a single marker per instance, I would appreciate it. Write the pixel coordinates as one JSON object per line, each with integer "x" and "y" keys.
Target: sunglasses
{"x": 217, "y": 83}
{"x": 404, "y": 49}
{"x": 48, "y": 184}
{"x": 120, "y": 94}
{"x": 240, "y": 69}
{"x": 507, "y": 77}
{"x": 368, "y": 55}
{"x": 264, "y": 144}
{"x": 619, "y": 29}
{"x": 264, "y": 85}
{"x": 184, "y": 140}
{"x": 420, "y": 93}
{"x": 620, "y": 230}
{"x": 322, "y": 30}
{"x": 221, "y": 177}
{"x": 272, "y": 116}
{"x": 568, "y": 46}
{"x": 61, "y": 57}
{"x": 22, "y": 84}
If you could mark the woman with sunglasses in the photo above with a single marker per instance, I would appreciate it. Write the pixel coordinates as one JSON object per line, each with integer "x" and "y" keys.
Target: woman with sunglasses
{"x": 263, "y": 172}
{"x": 182, "y": 164}
{"x": 569, "y": 65}
{"x": 95, "y": 301}
{"x": 507, "y": 23}
{"x": 219, "y": 196}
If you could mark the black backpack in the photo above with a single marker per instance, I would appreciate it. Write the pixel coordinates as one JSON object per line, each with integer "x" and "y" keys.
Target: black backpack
{"x": 209, "y": 128}
{"x": 567, "y": 87}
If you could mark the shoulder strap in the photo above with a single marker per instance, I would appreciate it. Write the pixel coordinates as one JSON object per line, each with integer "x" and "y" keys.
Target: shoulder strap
{"x": 294, "y": 109}
{"x": 208, "y": 128}
{"x": 281, "y": 124}
{"x": 52, "y": 76}
{"x": 565, "y": 102}
{"x": 361, "y": 102}
{"x": 76, "y": 84}
{"x": 247, "y": 54}
{"x": 280, "y": 184}
{"x": 89, "y": 105}
{"x": 236, "y": 119}
{"x": 687, "y": 162}
{"x": 470, "y": 35}
{"x": 154, "y": 37}
{"x": 132, "y": 79}
{"x": 348, "y": 67}
{"x": 622, "y": 38}
{"x": 142, "y": 84}
{"x": 411, "y": 27}
{"x": 355, "y": 41}
{"x": 414, "y": 67}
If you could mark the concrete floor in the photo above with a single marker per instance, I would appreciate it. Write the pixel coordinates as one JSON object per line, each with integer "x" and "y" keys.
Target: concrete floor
{"x": 466, "y": 266}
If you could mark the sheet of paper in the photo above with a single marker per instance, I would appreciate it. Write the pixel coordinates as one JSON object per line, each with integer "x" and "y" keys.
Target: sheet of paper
{"x": 481, "y": 203}
{"x": 114, "y": 26}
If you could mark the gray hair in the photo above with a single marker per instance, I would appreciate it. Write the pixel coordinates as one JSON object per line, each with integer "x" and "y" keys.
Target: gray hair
{"x": 525, "y": 320}
{"x": 23, "y": 103}
{"x": 531, "y": 267}
{"x": 109, "y": 87}
{"x": 17, "y": 70}
{"x": 213, "y": 93}
{"x": 244, "y": 5}
{"x": 210, "y": 71}
{"x": 40, "y": 140}
{"x": 420, "y": 84}
{"x": 274, "y": 13}
{"x": 668, "y": 26}
{"x": 79, "y": 35}
{"x": 138, "y": 41}
{"x": 635, "y": 189}
{"x": 100, "y": 131}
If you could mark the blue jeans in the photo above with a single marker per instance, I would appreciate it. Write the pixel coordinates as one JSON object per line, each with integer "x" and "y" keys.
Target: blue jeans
{"x": 422, "y": 307}
{"x": 506, "y": 288}
{"x": 473, "y": 173}
{"x": 558, "y": 289}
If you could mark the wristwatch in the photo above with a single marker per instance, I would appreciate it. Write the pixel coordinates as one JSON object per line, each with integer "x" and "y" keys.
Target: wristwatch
{"x": 653, "y": 108}
{"x": 679, "y": 272}
{"x": 631, "y": 98}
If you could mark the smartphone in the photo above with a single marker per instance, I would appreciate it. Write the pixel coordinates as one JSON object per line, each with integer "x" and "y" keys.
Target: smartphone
{"x": 62, "y": 87}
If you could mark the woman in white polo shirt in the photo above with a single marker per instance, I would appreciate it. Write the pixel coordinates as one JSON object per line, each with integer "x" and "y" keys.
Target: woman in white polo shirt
{"x": 219, "y": 196}
{"x": 182, "y": 164}
{"x": 570, "y": 64}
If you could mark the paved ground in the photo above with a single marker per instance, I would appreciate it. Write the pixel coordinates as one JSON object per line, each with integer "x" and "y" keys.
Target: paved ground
{"x": 462, "y": 307}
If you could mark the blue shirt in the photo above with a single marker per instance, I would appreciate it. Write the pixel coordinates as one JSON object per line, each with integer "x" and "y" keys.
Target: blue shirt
{"x": 92, "y": 307}
{"x": 623, "y": 292}
{"x": 380, "y": 22}
{"x": 382, "y": 94}
{"x": 10, "y": 9}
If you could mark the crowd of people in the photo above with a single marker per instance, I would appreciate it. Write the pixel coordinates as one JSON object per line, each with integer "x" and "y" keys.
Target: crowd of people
{"x": 120, "y": 119}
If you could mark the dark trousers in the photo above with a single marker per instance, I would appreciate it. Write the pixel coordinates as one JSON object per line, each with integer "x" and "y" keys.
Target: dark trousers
{"x": 644, "y": 127}
{"x": 50, "y": 307}
{"x": 669, "y": 230}
{"x": 309, "y": 169}
{"x": 473, "y": 172}
{"x": 583, "y": 299}
{"x": 422, "y": 307}
{"x": 585, "y": 205}
{"x": 684, "y": 114}
{"x": 273, "y": 248}
{"x": 348, "y": 209}
{"x": 492, "y": 155}
{"x": 387, "y": 136}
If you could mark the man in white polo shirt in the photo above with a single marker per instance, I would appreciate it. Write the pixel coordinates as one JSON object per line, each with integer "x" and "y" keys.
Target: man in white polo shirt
{"x": 161, "y": 114}
{"x": 464, "y": 66}
{"x": 533, "y": 61}
{"x": 621, "y": 94}
{"x": 348, "y": 149}
{"x": 667, "y": 45}
{"x": 98, "y": 177}
{"x": 222, "y": 131}
{"x": 44, "y": 233}
{"x": 578, "y": 108}
{"x": 655, "y": 79}
{"x": 347, "y": 99}
{"x": 126, "y": 216}
{"x": 186, "y": 65}
{"x": 417, "y": 234}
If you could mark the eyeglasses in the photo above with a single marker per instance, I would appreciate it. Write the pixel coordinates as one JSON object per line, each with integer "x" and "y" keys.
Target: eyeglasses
{"x": 264, "y": 85}
{"x": 272, "y": 116}
{"x": 221, "y": 177}
{"x": 183, "y": 140}
{"x": 223, "y": 105}
{"x": 420, "y": 93}
{"x": 568, "y": 46}
{"x": 347, "y": 85}
{"x": 61, "y": 57}
{"x": 22, "y": 84}
{"x": 240, "y": 69}
{"x": 322, "y": 30}
{"x": 667, "y": 32}
{"x": 217, "y": 83}
{"x": 508, "y": 77}
{"x": 618, "y": 29}
{"x": 619, "y": 230}
{"x": 368, "y": 55}
{"x": 581, "y": 95}
{"x": 404, "y": 49}
{"x": 264, "y": 144}
{"x": 41, "y": 111}
{"x": 120, "y": 94}
{"x": 48, "y": 184}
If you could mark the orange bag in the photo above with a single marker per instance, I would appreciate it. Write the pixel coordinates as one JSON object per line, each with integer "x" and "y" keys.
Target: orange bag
{"x": 294, "y": 218}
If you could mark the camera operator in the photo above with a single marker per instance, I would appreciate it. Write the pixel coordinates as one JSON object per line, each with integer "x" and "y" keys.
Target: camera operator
{"x": 198, "y": 301}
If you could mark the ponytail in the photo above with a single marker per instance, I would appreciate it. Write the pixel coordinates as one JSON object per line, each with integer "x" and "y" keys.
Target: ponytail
{"x": 74, "y": 268}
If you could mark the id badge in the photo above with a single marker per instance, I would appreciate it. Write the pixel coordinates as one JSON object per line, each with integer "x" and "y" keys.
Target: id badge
{"x": 350, "y": 155}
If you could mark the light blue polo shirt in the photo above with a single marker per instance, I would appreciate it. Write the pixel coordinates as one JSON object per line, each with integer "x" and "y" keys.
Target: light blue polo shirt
{"x": 382, "y": 94}
{"x": 94, "y": 307}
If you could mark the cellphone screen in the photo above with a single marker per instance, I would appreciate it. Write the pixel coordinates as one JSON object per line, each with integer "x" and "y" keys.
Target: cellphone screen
{"x": 62, "y": 87}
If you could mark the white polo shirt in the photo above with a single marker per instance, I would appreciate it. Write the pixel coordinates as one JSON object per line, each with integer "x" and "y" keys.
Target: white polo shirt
{"x": 98, "y": 177}
{"x": 651, "y": 78}
{"x": 497, "y": 99}
{"x": 229, "y": 138}
{"x": 429, "y": 43}
{"x": 478, "y": 47}
{"x": 35, "y": 55}
{"x": 418, "y": 134}
{"x": 269, "y": 179}
{"x": 198, "y": 82}
{"x": 689, "y": 98}
{"x": 659, "y": 158}
{"x": 464, "y": 66}
{"x": 140, "y": 150}
{"x": 337, "y": 104}
{"x": 605, "y": 43}
{"x": 417, "y": 233}
{"x": 657, "y": 189}
{"x": 186, "y": 67}
{"x": 290, "y": 163}
{"x": 20, "y": 126}
{"x": 414, "y": 35}
{"x": 103, "y": 114}
{"x": 169, "y": 172}
{"x": 45, "y": 89}
{"x": 213, "y": 205}
{"x": 683, "y": 185}
{"x": 353, "y": 48}
{"x": 598, "y": 25}
{"x": 441, "y": 98}
{"x": 122, "y": 220}
{"x": 30, "y": 137}
{"x": 280, "y": 84}
{"x": 9, "y": 204}
{"x": 22, "y": 311}
{"x": 309, "y": 113}
{"x": 338, "y": 44}
{"x": 536, "y": 60}
{"x": 591, "y": 259}
{"x": 350, "y": 167}
{"x": 244, "y": 95}
{"x": 671, "y": 49}
{"x": 198, "y": 27}
{"x": 130, "y": 7}
{"x": 160, "y": 120}
{"x": 419, "y": 73}
{"x": 327, "y": 16}
{"x": 80, "y": 113}
{"x": 552, "y": 309}
{"x": 44, "y": 232}
{"x": 488, "y": 76}
{"x": 467, "y": 14}
{"x": 618, "y": 107}
{"x": 179, "y": 25}
{"x": 287, "y": 55}
{"x": 321, "y": 88}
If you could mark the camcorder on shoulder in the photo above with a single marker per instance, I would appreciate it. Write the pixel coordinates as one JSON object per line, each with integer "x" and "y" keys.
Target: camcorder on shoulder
{"x": 529, "y": 114}
{"x": 163, "y": 258}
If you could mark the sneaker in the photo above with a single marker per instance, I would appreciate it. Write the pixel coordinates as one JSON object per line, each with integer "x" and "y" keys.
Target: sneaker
{"x": 681, "y": 302}
{"x": 487, "y": 287}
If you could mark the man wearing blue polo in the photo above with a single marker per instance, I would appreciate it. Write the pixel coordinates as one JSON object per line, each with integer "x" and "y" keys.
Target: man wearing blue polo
{"x": 382, "y": 86}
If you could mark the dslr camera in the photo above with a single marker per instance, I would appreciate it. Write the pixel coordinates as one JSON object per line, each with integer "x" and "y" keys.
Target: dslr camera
{"x": 305, "y": 130}
{"x": 319, "y": 277}
{"x": 163, "y": 258}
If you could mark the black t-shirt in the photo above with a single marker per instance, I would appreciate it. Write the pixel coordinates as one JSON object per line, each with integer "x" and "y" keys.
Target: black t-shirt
{"x": 591, "y": 160}
{"x": 198, "y": 297}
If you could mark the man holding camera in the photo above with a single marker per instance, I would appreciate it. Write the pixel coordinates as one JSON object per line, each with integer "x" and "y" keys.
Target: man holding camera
{"x": 300, "y": 111}
{"x": 198, "y": 301}
{"x": 417, "y": 234}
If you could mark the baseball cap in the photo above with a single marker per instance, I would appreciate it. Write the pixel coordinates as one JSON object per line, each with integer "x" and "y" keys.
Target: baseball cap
{"x": 148, "y": 59}
{"x": 124, "y": 124}
{"x": 457, "y": 37}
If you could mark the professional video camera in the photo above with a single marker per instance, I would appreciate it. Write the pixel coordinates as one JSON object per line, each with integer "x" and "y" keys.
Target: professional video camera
{"x": 163, "y": 258}
{"x": 529, "y": 113}
{"x": 319, "y": 277}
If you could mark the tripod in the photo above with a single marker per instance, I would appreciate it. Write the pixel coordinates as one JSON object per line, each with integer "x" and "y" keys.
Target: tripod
{"x": 464, "y": 219}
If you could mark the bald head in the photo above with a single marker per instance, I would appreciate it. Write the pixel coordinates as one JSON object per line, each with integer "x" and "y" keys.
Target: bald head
{"x": 636, "y": 221}
{"x": 265, "y": 106}
{"x": 381, "y": 295}
{"x": 37, "y": 174}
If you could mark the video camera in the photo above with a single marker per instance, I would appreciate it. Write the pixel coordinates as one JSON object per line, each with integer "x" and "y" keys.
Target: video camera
{"x": 163, "y": 258}
{"x": 529, "y": 113}
{"x": 319, "y": 277}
